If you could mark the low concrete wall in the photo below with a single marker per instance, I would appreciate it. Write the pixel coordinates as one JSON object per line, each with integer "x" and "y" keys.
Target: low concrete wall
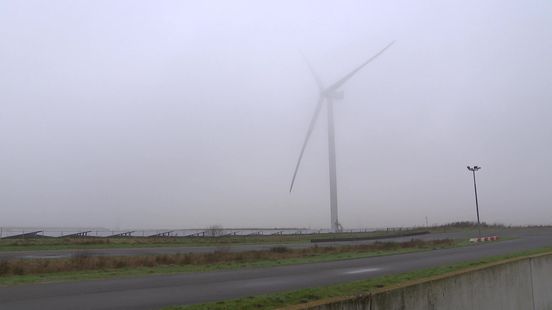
{"x": 541, "y": 274}
{"x": 524, "y": 283}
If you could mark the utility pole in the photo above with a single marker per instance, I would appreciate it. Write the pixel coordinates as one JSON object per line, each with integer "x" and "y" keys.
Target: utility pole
{"x": 473, "y": 170}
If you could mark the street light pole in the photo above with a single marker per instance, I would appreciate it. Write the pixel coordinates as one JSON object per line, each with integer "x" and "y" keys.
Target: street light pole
{"x": 473, "y": 170}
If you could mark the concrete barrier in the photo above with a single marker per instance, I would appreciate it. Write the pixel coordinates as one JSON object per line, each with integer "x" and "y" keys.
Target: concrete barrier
{"x": 521, "y": 283}
{"x": 541, "y": 274}
{"x": 484, "y": 239}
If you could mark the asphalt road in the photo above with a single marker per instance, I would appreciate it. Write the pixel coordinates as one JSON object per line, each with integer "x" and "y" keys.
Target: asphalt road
{"x": 154, "y": 292}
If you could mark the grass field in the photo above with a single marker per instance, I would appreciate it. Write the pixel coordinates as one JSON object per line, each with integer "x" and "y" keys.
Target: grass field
{"x": 136, "y": 242}
{"x": 142, "y": 242}
{"x": 82, "y": 266}
{"x": 356, "y": 288}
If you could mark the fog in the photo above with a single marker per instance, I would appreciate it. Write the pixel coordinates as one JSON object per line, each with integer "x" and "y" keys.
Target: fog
{"x": 187, "y": 114}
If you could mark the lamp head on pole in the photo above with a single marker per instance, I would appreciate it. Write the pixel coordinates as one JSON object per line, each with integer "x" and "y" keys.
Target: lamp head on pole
{"x": 474, "y": 168}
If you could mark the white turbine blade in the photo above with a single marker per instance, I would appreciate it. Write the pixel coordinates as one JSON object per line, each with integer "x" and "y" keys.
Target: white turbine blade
{"x": 314, "y": 74}
{"x": 342, "y": 81}
{"x": 307, "y": 137}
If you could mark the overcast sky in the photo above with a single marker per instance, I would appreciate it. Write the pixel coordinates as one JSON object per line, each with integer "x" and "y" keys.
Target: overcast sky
{"x": 184, "y": 114}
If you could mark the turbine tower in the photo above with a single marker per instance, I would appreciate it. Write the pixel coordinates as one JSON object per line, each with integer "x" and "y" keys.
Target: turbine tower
{"x": 328, "y": 95}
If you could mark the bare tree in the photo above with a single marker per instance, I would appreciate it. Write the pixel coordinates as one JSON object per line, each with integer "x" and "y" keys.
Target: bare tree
{"x": 214, "y": 231}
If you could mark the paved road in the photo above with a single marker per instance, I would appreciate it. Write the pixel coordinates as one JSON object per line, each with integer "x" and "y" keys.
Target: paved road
{"x": 157, "y": 291}
{"x": 252, "y": 247}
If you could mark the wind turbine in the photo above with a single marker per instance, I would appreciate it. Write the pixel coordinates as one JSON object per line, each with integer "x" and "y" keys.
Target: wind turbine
{"x": 328, "y": 95}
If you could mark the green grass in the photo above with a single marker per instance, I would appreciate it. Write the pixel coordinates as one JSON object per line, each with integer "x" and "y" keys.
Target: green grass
{"x": 204, "y": 262}
{"x": 283, "y": 299}
{"x": 39, "y": 244}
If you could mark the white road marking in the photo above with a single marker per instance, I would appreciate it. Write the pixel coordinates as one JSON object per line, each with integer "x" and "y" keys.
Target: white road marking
{"x": 362, "y": 270}
{"x": 45, "y": 256}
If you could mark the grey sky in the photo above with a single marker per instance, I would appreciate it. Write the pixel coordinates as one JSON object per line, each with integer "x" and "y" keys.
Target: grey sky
{"x": 192, "y": 113}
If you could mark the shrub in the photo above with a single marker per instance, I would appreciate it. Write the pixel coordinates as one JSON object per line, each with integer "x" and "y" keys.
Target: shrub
{"x": 279, "y": 249}
{"x": 4, "y": 267}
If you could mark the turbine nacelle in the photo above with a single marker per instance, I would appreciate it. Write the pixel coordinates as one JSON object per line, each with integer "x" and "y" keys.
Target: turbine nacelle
{"x": 335, "y": 94}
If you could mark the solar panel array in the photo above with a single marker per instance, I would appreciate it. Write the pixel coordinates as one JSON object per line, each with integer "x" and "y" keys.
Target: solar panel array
{"x": 6, "y": 233}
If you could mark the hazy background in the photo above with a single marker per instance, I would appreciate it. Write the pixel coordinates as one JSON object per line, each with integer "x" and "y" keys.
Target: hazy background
{"x": 192, "y": 113}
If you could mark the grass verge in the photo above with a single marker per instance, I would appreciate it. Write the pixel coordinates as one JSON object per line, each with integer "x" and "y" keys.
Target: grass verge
{"x": 82, "y": 266}
{"x": 356, "y": 288}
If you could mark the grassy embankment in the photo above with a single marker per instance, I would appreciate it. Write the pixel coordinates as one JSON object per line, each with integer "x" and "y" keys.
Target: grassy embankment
{"x": 82, "y": 266}
{"x": 356, "y": 288}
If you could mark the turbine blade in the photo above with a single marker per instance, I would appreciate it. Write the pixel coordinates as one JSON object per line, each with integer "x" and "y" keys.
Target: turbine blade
{"x": 314, "y": 74}
{"x": 342, "y": 81}
{"x": 307, "y": 137}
